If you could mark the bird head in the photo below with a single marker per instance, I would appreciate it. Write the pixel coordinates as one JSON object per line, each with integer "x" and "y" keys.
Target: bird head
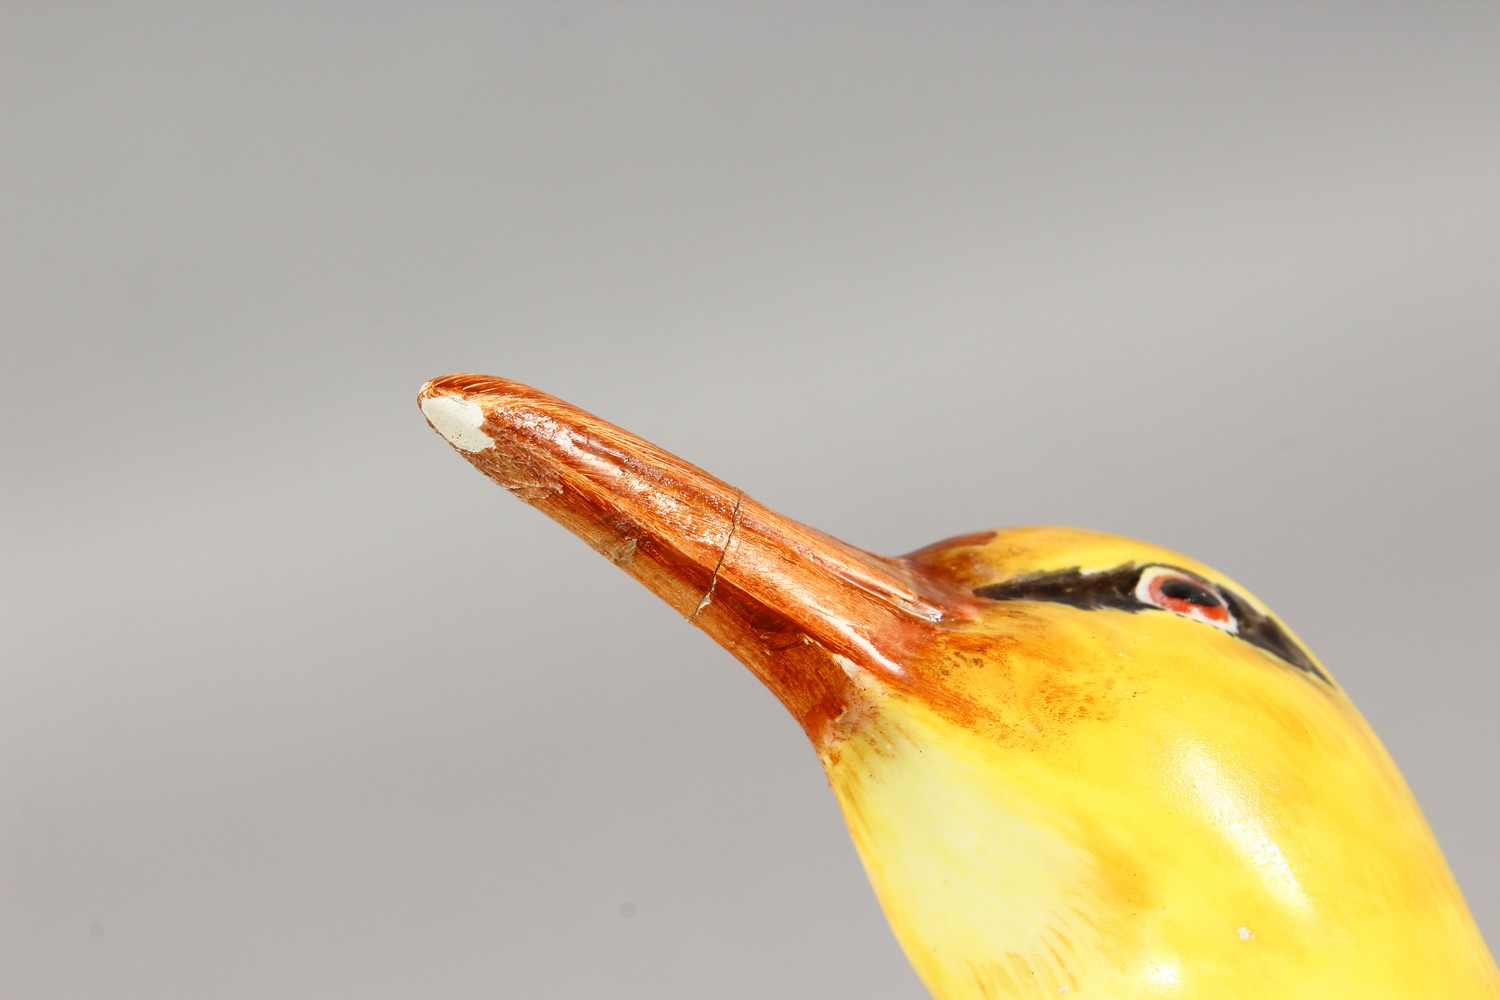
{"x": 1070, "y": 762}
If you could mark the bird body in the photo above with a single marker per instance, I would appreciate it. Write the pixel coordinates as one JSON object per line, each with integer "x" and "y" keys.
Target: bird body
{"x": 1072, "y": 764}
{"x": 1139, "y": 804}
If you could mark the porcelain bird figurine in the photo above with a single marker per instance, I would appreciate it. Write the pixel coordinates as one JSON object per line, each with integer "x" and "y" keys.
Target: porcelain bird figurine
{"x": 1073, "y": 764}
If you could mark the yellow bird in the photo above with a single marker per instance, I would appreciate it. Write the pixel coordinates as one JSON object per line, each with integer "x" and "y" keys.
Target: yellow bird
{"x": 1073, "y": 764}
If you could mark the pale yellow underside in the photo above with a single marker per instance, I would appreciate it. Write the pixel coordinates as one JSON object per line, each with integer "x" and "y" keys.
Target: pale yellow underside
{"x": 1153, "y": 808}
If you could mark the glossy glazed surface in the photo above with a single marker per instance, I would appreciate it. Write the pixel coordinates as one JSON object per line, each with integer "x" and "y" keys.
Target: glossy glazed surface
{"x": 1124, "y": 804}
{"x": 1061, "y": 788}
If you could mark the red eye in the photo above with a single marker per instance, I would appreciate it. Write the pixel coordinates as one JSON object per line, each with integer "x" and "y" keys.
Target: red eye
{"x": 1175, "y": 591}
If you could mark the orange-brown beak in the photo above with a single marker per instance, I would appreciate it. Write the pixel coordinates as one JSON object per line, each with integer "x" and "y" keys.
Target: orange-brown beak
{"x": 786, "y": 600}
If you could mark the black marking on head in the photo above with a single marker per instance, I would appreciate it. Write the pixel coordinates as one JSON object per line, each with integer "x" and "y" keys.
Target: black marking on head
{"x": 1115, "y": 588}
{"x": 1262, "y": 630}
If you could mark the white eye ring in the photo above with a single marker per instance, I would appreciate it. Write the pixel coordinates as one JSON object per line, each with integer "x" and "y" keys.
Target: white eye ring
{"x": 1186, "y": 595}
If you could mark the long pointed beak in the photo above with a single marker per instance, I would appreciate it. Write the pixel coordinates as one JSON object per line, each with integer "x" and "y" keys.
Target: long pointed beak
{"x": 793, "y": 604}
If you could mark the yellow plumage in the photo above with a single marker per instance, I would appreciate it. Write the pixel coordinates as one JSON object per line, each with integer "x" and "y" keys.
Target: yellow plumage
{"x": 1139, "y": 805}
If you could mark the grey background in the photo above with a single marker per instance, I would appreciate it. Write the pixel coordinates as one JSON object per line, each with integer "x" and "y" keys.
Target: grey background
{"x": 294, "y": 704}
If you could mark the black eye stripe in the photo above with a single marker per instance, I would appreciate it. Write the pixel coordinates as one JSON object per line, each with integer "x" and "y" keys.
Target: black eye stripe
{"x": 1111, "y": 589}
{"x": 1115, "y": 589}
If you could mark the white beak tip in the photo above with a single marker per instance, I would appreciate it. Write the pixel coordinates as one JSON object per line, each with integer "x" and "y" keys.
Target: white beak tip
{"x": 458, "y": 420}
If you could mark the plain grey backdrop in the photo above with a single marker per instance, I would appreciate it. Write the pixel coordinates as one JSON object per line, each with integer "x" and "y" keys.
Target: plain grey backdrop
{"x": 294, "y": 704}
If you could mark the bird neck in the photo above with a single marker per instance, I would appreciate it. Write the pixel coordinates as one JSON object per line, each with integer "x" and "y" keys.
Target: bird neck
{"x": 995, "y": 889}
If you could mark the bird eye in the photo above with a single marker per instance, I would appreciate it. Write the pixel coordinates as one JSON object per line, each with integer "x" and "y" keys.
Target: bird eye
{"x": 1175, "y": 591}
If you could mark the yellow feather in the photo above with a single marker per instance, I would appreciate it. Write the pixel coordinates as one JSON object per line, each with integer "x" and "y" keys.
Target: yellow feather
{"x": 1138, "y": 805}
